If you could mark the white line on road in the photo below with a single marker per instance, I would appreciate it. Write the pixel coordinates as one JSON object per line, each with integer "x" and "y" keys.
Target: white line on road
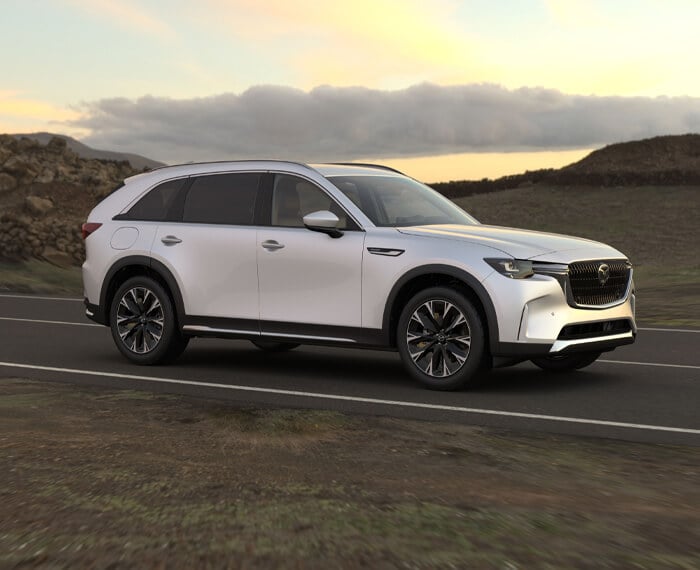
{"x": 669, "y": 330}
{"x": 10, "y": 296}
{"x": 339, "y": 397}
{"x": 49, "y": 322}
{"x": 663, "y": 365}
{"x": 650, "y": 364}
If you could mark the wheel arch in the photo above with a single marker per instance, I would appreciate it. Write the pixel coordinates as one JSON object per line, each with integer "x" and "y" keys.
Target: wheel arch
{"x": 132, "y": 266}
{"x": 437, "y": 275}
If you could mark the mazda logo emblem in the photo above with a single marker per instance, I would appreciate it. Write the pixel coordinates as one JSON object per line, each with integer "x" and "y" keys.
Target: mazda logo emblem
{"x": 603, "y": 273}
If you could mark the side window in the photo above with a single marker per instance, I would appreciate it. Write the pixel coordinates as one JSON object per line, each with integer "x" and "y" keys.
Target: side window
{"x": 155, "y": 205}
{"x": 222, "y": 199}
{"x": 294, "y": 197}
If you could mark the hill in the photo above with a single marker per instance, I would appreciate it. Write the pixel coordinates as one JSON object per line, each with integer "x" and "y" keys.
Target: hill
{"x": 46, "y": 190}
{"x": 136, "y": 161}
{"x": 672, "y": 160}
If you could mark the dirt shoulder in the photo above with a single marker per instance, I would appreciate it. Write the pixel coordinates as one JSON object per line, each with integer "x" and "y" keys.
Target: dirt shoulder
{"x": 103, "y": 478}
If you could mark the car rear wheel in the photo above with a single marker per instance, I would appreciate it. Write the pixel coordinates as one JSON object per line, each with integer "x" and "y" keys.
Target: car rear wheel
{"x": 441, "y": 340}
{"x": 273, "y": 346}
{"x": 143, "y": 323}
{"x": 566, "y": 363}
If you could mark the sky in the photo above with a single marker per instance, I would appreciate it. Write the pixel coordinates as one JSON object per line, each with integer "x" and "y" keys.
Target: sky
{"x": 442, "y": 89}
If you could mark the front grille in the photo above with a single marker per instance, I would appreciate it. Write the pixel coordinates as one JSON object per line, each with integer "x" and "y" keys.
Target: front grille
{"x": 593, "y": 330}
{"x": 586, "y": 288}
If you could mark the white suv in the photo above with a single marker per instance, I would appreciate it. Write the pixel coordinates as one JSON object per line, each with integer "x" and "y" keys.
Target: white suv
{"x": 356, "y": 255}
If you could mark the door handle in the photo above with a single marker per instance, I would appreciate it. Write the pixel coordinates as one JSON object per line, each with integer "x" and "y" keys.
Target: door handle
{"x": 170, "y": 240}
{"x": 271, "y": 245}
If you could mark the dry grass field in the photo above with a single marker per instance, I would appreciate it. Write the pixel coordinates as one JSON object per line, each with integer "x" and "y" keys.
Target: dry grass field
{"x": 96, "y": 478}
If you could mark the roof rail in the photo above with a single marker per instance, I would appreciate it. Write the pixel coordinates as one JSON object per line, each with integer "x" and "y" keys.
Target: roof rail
{"x": 234, "y": 161}
{"x": 368, "y": 165}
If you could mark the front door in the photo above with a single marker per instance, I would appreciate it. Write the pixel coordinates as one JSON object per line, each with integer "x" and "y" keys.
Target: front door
{"x": 310, "y": 283}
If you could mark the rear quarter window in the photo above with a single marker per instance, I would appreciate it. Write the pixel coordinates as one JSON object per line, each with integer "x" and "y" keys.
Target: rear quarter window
{"x": 157, "y": 204}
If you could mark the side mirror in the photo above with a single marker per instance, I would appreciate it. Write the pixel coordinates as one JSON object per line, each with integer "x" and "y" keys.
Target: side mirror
{"x": 323, "y": 221}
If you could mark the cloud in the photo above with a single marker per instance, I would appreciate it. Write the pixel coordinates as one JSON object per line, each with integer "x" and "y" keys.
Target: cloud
{"x": 342, "y": 123}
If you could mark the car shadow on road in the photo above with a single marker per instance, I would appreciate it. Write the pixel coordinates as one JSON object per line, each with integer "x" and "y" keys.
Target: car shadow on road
{"x": 319, "y": 366}
{"x": 526, "y": 378}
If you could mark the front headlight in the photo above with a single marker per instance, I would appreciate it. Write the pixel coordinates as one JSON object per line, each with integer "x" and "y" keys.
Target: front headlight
{"x": 513, "y": 268}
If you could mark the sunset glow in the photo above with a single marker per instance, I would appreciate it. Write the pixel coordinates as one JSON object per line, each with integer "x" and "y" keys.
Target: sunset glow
{"x": 64, "y": 61}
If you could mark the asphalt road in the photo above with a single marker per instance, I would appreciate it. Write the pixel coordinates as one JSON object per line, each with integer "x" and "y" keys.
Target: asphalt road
{"x": 649, "y": 391}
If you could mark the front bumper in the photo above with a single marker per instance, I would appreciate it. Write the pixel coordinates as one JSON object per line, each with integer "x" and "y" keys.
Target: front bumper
{"x": 535, "y": 319}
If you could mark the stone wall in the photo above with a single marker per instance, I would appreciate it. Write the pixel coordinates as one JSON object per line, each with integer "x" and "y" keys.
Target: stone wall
{"x": 53, "y": 240}
{"x": 46, "y": 193}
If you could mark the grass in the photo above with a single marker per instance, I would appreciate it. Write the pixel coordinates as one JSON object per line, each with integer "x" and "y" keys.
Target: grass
{"x": 95, "y": 479}
{"x": 279, "y": 422}
{"x": 39, "y": 277}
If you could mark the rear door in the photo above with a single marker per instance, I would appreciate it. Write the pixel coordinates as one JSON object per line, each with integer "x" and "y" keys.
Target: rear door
{"x": 212, "y": 251}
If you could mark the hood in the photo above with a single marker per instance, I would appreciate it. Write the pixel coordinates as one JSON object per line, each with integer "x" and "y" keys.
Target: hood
{"x": 520, "y": 244}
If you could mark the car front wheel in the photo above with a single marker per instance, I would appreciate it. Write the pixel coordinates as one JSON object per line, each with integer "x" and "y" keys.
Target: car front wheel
{"x": 144, "y": 324}
{"x": 441, "y": 340}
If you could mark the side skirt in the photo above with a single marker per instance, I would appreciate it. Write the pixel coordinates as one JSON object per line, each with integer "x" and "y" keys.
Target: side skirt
{"x": 302, "y": 333}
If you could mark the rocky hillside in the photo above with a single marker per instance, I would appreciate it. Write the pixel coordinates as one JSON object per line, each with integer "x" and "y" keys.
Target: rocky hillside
{"x": 46, "y": 191}
{"x": 659, "y": 161}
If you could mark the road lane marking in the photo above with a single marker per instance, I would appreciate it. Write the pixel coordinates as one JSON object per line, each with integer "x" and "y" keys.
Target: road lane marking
{"x": 629, "y": 362}
{"x": 49, "y": 322}
{"x": 38, "y": 298}
{"x": 669, "y": 330}
{"x": 339, "y": 397}
{"x": 650, "y": 364}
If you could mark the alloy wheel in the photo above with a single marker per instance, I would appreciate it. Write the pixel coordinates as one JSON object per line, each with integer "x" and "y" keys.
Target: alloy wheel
{"x": 140, "y": 320}
{"x": 438, "y": 338}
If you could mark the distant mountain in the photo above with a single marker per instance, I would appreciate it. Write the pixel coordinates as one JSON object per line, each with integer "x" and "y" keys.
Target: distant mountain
{"x": 137, "y": 161}
{"x": 672, "y": 160}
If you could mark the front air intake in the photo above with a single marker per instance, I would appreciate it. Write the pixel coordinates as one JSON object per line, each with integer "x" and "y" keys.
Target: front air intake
{"x": 594, "y": 330}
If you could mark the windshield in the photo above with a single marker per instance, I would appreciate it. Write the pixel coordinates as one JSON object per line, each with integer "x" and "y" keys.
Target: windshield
{"x": 396, "y": 201}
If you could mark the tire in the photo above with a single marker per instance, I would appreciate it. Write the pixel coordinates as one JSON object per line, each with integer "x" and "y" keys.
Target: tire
{"x": 273, "y": 346}
{"x": 441, "y": 340}
{"x": 566, "y": 363}
{"x": 141, "y": 311}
